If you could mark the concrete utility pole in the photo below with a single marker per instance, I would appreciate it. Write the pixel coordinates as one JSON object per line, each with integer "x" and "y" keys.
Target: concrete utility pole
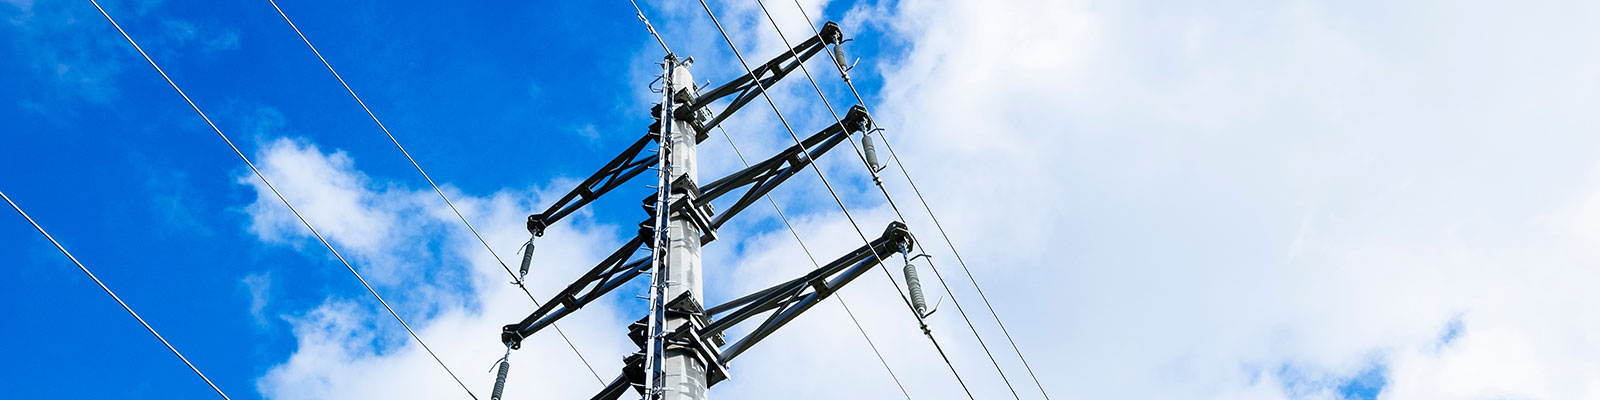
{"x": 684, "y": 371}
{"x": 685, "y": 344}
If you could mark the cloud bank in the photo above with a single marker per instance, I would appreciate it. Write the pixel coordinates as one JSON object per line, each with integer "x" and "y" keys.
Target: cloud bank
{"x": 1307, "y": 200}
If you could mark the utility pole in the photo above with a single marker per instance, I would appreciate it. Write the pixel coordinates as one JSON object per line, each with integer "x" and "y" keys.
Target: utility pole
{"x": 684, "y": 345}
{"x": 684, "y": 373}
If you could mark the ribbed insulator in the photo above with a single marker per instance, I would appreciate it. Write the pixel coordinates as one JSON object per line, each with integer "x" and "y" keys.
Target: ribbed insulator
{"x": 527, "y": 259}
{"x": 838, "y": 57}
{"x": 500, "y": 381}
{"x": 915, "y": 286}
{"x": 872, "y": 152}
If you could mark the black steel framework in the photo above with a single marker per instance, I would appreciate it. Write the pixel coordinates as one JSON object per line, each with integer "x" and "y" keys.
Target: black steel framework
{"x": 615, "y": 270}
{"x": 704, "y": 336}
{"x": 785, "y": 301}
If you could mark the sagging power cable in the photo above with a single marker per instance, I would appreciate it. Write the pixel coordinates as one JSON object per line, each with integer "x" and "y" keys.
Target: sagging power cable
{"x": 881, "y": 263}
{"x": 114, "y": 296}
{"x": 844, "y": 74}
{"x": 528, "y": 250}
{"x": 285, "y": 201}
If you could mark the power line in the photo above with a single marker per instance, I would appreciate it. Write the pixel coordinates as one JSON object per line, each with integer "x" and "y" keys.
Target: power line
{"x": 818, "y": 170}
{"x": 942, "y": 232}
{"x": 114, "y": 296}
{"x": 886, "y": 196}
{"x": 281, "y": 198}
{"x": 516, "y": 279}
{"x": 648, "y": 27}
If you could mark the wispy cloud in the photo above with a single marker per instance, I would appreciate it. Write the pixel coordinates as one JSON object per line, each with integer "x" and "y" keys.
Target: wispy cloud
{"x": 259, "y": 287}
{"x": 65, "y": 43}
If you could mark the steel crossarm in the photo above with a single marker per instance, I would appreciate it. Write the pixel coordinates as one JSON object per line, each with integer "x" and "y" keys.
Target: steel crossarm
{"x": 791, "y": 298}
{"x": 611, "y": 273}
{"x": 748, "y": 87}
{"x": 785, "y": 301}
{"x": 633, "y": 161}
{"x": 763, "y": 177}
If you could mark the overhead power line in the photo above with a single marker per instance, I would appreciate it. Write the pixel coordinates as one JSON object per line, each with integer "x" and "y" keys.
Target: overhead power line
{"x": 649, "y": 27}
{"x": 768, "y": 97}
{"x": 285, "y": 201}
{"x": 114, "y": 296}
{"x": 515, "y": 278}
{"x": 951, "y": 244}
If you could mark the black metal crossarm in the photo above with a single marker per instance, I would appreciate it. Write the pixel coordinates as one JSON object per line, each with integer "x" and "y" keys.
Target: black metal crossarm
{"x": 785, "y": 301}
{"x": 632, "y": 162}
{"x": 759, "y": 179}
{"x": 791, "y": 298}
{"x": 603, "y": 278}
{"x": 766, "y": 175}
{"x": 746, "y": 88}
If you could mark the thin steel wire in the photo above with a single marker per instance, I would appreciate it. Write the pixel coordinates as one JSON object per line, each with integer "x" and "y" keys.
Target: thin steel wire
{"x": 114, "y": 296}
{"x": 836, "y": 199}
{"x": 515, "y": 278}
{"x": 285, "y": 201}
{"x": 648, "y": 27}
{"x": 886, "y": 196}
{"x": 939, "y": 226}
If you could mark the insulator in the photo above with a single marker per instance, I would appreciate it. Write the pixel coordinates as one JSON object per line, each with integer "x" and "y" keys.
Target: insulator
{"x": 872, "y": 152}
{"x": 915, "y": 286}
{"x": 527, "y": 259}
{"x": 500, "y": 381}
{"x": 838, "y": 57}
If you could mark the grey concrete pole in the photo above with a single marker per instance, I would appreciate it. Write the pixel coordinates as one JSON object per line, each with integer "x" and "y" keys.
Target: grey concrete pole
{"x": 685, "y": 373}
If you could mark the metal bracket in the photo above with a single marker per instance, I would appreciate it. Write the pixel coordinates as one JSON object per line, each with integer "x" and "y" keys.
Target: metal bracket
{"x": 687, "y": 336}
{"x": 688, "y": 203}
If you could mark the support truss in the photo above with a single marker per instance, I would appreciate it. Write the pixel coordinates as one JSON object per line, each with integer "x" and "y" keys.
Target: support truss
{"x": 787, "y": 300}
{"x": 633, "y": 161}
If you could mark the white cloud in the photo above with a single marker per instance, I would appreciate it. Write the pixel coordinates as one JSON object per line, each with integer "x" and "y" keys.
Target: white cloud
{"x": 1221, "y": 200}
{"x": 454, "y": 294}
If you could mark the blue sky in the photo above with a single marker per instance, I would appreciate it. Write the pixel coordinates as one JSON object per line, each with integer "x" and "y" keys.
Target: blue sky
{"x": 485, "y": 97}
{"x": 1230, "y": 200}
{"x": 166, "y": 229}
